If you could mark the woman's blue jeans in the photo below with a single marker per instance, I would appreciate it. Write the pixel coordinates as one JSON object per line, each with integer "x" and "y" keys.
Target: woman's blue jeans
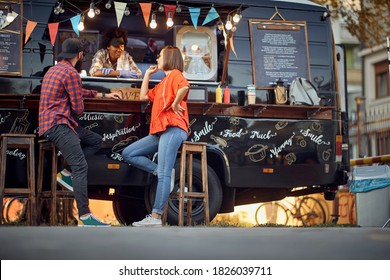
{"x": 166, "y": 144}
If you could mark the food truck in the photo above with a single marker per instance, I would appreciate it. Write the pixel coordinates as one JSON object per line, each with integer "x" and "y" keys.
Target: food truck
{"x": 259, "y": 151}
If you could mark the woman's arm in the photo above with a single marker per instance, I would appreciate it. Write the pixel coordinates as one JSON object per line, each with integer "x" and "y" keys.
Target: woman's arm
{"x": 145, "y": 83}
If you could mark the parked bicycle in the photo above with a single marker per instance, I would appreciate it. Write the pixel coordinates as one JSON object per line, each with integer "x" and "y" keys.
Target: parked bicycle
{"x": 306, "y": 211}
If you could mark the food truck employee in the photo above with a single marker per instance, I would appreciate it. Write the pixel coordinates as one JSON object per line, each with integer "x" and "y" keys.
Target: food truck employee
{"x": 113, "y": 60}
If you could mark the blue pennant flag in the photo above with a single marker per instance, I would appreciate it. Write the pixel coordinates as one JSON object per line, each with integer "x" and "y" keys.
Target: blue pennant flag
{"x": 75, "y": 24}
{"x": 195, "y": 13}
{"x": 213, "y": 14}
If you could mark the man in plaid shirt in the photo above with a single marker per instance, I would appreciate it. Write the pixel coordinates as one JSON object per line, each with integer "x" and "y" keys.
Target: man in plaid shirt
{"x": 61, "y": 97}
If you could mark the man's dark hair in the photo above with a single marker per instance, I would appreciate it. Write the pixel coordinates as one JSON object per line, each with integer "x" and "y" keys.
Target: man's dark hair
{"x": 112, "y": 34}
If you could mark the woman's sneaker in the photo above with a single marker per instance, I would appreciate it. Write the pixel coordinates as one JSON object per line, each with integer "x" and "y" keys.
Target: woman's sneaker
{"x": 91, "y": 221}
{"x": 148, "y": 221}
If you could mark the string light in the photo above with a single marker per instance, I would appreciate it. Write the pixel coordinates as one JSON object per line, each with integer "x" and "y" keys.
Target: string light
{"x": 127, "y": 11}
{"x": 59, "y": 9}
{"x": 228, "y": 24}
{"x": 81, "y": 24}
{"x": 108, "y": 4}
{"x": 178, "y": 7}
{"x": 237, "y": 17}
{"x": 153, "y": 23}
{"x": 161, "y": 8}
{"x": 91, "y": 12}
{"x": 170, "y": 20}
{"x": 10, "y": 17}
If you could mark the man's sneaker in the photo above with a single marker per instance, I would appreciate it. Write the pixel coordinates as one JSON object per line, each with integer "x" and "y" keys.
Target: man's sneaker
{"x": 91, "y": 221}
{"x": 65, "y": 180}
{"x": 148, "y": 221}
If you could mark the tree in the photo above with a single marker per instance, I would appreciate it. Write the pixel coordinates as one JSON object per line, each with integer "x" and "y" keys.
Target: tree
{"x": 368, "y": 20}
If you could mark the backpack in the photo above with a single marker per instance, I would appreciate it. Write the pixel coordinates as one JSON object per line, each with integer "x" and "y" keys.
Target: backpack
{"x": 303, "y": 92}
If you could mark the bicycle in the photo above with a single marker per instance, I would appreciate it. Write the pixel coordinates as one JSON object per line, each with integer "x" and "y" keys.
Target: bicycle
{"x": 306, "y": 210}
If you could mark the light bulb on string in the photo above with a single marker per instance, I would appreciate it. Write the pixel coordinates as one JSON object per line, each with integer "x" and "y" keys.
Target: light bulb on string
{"x": 97, "y": 11}
{"x": 237, "y": 17}
{"x": 127, "y": 11}
{"x": 178, "y": 7}
{"x": 10, "y": 17}
{"x": 80, "y": 27}
{"x": 91, "y": 12}
{"x": 153, "y": 23}
{"x": 228, "y": 24}
{"x": 161, "y": 8}
{"x": 170, "y": 20}
{"x": 108, "y": 4}
{"x": 57, "y": 9}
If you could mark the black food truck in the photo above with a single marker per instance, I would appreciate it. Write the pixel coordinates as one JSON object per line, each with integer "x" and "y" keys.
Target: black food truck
{"x": 262, "y": 150}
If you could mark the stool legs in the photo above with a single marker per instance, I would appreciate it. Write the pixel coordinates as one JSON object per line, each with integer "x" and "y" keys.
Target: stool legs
{"x": 22, "y": 141}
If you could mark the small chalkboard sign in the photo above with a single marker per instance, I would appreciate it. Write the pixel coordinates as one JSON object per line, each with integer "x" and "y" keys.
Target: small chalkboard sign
{"x": 11, "y": 38}
{"x": 279, "y": 51}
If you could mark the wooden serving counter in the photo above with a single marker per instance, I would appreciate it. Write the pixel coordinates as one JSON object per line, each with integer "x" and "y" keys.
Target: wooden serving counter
{"x": 31, "y": 101}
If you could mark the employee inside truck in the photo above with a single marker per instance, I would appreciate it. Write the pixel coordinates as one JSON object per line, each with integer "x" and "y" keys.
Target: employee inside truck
{"x": 112, "y": 60}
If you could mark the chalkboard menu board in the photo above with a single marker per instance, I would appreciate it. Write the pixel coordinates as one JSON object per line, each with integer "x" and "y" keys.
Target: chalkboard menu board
{"x": 279, "y": 51}
{"x": 11, "y": 38}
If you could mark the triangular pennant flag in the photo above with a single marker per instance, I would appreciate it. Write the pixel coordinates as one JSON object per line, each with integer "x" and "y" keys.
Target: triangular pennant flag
{"x": 75, "y": 24}
{"x": 213, "y": 14}
{"x": 29, "y": 28}
{"x": 6, "y": 23}
{"x": 146, "y": 8}
{"x": 119, "y": 10}
{"x": 53, "y": 29}
{"x": 195, "y": 13}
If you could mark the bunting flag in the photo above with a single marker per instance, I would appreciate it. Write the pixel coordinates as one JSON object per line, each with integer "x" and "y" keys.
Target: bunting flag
{"x": 29, "y": 28}
{"x": 212, "y": 14}
{"x": 53, "y": 29}
{"x": 119, "y": 10}
{"x": 6, "y": 23}
{"x": 231, "y": 43}
{"x": 195, "y": 13}
{"x": 146, "y": 8}
{"x": 75, "y": 24}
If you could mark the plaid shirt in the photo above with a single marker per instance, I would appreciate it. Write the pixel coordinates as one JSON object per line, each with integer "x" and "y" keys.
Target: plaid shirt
{"x": 101, "y": 59}
{"x": 61, "y": 97}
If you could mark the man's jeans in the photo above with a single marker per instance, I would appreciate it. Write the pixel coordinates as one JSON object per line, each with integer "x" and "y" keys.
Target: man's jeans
{"x": 166, "y": 144}
{"x": 75, "y": 148}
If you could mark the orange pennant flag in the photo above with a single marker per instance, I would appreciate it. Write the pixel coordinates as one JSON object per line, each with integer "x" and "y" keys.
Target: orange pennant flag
{"x": 29, "y": 28}
{"x": 53, "y": 29}
{"x": 146, "y": 8}
{"x": 232, "y": 45}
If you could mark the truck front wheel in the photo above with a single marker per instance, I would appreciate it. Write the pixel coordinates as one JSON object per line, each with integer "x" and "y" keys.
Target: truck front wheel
{"x": 215, "y": 195}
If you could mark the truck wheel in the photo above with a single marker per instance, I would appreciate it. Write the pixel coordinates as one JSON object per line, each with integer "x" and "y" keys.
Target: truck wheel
{"x": 215, "y": 195}
{"x": 129, "y": 210}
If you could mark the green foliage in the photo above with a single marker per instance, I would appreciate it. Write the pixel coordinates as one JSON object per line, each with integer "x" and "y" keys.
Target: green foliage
{"x": 369, "y": 21}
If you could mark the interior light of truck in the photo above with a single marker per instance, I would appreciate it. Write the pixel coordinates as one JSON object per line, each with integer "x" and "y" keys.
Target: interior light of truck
{"x": 268, "y": 170}
{"x": 228, "y": 24}
{"x": 153, "y": 23}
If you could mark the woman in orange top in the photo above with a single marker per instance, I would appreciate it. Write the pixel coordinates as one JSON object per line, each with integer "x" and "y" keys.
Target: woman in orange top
{"x": 168, "y": 128}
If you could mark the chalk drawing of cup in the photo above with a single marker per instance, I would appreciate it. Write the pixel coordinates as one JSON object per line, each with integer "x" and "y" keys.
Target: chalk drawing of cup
{"x": 257, "y": 152}
{"x": 326, "y": 154}
{"x": 281, "y": 124}
{"x": 316, "y": 126}
{"x": 301, "y": 141}
{"x": 291, "y": 158}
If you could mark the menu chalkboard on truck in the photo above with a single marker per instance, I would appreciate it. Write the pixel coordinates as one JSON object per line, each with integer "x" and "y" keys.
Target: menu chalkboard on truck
{"x": 279, "y": 51}
{"x": 11, "y": 38}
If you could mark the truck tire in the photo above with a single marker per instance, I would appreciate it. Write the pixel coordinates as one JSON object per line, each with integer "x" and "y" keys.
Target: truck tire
{"x": 129, "y": 210}
{"x": 215, "y": 195}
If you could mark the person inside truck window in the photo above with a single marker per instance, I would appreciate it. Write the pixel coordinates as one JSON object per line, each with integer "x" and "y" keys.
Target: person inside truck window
{"x": 112, "y": 60}
{"x": 62, "y": 97}
{"x": 168, "y": 129}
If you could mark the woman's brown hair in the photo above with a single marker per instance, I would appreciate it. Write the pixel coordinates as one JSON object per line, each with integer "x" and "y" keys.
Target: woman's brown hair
{"x": 172, "y": 59}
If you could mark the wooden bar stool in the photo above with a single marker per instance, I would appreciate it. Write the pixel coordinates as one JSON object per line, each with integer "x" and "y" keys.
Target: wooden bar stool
{"x": 188, "y": 149}
{"x": 26, "y": 142}
{"x": 46, "y": 146}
